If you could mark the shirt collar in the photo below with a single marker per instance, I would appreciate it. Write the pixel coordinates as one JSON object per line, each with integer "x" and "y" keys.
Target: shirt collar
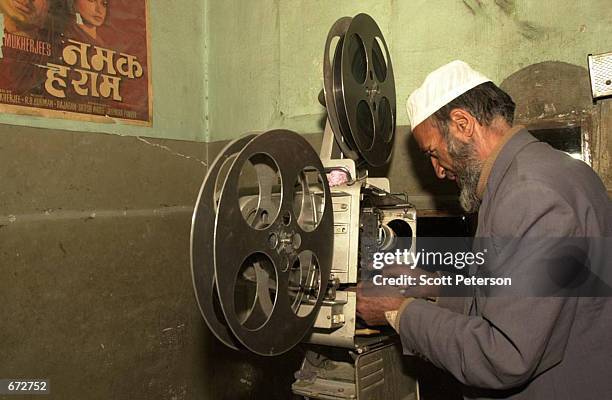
{"x": 488, "y": 163}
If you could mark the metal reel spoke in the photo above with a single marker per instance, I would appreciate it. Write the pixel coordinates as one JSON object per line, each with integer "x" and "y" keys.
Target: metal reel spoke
{"x": 304, "y": 283}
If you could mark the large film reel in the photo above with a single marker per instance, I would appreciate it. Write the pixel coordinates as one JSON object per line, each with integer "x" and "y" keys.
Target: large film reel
{"x": 261, "y": 244}
{"x": 360, "y": 90}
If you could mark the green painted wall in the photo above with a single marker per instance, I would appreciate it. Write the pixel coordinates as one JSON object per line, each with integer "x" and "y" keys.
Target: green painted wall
{"x": 265, "y": 59}
{"x": 224, "y": 67}
{"x": 179, "y": 77}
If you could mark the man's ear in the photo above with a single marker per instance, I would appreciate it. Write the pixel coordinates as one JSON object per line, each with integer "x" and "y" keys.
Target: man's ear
{"x": 463, "y": 122}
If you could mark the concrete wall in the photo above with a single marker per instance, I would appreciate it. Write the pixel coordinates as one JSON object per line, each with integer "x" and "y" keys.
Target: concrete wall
{"x": 95, "y": 289}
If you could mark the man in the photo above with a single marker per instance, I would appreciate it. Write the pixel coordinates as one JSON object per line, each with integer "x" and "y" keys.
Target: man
{"x": 510, "y": 347}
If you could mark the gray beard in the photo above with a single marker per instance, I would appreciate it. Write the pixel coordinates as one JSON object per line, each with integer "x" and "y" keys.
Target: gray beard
{"x": 467, "y": 171}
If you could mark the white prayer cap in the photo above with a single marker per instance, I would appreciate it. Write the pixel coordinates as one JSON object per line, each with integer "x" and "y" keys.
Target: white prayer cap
{"x": 441, "y": 87}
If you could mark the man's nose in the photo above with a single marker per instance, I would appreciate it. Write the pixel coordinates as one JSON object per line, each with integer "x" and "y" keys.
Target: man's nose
{"x": 438, "y": 169}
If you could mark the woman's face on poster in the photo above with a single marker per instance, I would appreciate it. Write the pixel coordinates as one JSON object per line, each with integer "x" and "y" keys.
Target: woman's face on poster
{"x": 93, "y": 12}
{"x": 29, "y": 13}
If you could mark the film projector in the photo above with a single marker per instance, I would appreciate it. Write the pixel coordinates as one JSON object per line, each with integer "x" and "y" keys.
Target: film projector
{"x": 280, "y": 234}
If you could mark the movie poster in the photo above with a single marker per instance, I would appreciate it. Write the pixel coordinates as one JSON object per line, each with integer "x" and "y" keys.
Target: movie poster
{"x": 77, "y": 59}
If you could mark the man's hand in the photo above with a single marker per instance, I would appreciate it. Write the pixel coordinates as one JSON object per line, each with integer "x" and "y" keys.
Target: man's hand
{"x": 420, "y": 291}
{"x": 372, "y": 308}
{"x": 373, "y": 301}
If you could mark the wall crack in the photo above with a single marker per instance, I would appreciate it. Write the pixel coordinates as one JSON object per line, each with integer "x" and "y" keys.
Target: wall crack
{"x": 168, "y": 149}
